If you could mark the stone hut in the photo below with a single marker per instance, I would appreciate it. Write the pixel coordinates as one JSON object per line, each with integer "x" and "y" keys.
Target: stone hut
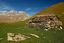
{"x": 44, "y": 21}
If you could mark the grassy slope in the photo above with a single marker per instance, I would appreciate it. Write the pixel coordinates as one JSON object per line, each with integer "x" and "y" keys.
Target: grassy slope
{"x": 45, "y": 36}
{"x": 57, "y": 9}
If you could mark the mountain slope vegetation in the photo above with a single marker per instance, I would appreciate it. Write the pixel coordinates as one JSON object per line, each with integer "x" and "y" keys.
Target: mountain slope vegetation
{"x": 57, "y": 9}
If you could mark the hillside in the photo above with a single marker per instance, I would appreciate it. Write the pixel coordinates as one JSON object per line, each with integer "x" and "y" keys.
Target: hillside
{"x": 57, "y": 9}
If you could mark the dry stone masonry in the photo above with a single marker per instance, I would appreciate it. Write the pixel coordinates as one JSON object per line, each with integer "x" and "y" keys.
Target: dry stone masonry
{"x": 45, "y": 21}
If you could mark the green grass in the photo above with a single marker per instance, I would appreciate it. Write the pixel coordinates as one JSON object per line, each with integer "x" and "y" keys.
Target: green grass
{"x": 50, "y": 36}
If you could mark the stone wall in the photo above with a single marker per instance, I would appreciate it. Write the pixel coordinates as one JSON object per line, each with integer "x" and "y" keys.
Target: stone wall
{"x": 47, "y": 21}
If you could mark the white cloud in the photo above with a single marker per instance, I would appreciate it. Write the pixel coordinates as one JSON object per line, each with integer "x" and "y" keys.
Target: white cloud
{"x": 28, "y": 9}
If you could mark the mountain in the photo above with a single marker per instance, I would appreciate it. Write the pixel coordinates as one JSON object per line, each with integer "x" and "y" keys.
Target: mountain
{"x": 13, "y": 16}
{"x": 57, "y": 9}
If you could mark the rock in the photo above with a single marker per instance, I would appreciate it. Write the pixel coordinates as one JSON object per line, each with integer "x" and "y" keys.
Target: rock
{"x": 35, "y": 35}
{"x": 16, "y": 37}
{"x": 46, "y": 29}
{"x": 61, "y": 27}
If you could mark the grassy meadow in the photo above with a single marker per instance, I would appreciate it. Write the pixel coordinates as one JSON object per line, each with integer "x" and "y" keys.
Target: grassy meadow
{"x": 51, "y": 36}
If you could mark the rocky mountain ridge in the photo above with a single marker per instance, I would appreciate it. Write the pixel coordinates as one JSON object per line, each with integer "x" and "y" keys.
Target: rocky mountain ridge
{"x": 13, "y": 16}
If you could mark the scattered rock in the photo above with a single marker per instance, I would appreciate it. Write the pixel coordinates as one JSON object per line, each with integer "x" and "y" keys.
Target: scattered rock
{"x": 35, "y": 35}
{"x": 16, "y": 37}
{"x": 46, "y": 29}
{"x": 61, "y": 27}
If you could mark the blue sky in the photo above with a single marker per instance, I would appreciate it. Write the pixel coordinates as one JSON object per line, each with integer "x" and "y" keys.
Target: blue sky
{"x": 30, "y": 6}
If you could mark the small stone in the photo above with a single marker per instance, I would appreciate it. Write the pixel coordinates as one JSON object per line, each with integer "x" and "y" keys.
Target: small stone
{"x": 61, "y": 27}
{"x": 46, "y": 29}
{"x": 35, "y": 35}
